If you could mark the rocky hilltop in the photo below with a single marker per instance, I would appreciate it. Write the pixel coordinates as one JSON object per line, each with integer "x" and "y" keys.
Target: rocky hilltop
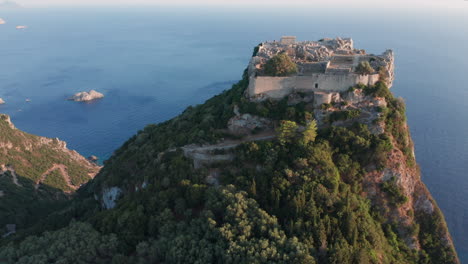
{"x": 323, "y": 65}
{"x": 34, "y": 172}
{"x": 308, "y": 177}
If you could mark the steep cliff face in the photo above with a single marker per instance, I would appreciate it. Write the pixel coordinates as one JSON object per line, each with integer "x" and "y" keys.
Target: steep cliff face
{"x": 412, "y": 208}
{"x": 35, "y": 171}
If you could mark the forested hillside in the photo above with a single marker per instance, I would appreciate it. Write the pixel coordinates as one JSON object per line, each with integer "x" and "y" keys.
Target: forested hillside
{"x": 336, "y": 183}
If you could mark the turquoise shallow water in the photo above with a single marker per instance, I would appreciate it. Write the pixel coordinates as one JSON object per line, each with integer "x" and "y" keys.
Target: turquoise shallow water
{"x": 151, "y": 63}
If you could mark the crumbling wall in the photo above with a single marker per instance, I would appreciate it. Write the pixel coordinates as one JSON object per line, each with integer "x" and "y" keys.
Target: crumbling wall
{"x": 278, "y": 87}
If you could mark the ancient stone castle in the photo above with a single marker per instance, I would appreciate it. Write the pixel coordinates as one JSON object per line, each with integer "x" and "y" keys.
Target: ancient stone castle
{"x": 324, "y": 66}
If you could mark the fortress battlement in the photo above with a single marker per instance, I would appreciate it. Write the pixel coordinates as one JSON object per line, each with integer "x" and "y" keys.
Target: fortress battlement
{"x": 323, "y": 65}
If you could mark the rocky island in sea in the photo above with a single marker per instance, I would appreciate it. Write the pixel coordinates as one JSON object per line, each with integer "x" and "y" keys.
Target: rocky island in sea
{"x": 2, "y": 21}
{"x": 86, "y": 96}
{"x": 2, "y": 101}
{"x": 307, "y": 159}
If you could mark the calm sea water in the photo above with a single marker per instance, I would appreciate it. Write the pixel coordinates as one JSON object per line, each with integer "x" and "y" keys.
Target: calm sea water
{"x": 152, "y": 63}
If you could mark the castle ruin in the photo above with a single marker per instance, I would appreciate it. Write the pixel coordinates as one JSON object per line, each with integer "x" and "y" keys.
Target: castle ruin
{"x": 324, "y": 66}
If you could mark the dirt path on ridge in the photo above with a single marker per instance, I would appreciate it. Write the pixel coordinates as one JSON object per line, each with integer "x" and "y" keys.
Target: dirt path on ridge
{"x": 63, "y": 170}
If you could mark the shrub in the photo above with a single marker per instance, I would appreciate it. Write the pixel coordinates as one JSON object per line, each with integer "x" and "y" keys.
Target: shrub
{"x": 280, "y": 65}
{"x": 344, "y": 115}
{"x": 383, "y": 74}
{"x": 396, "y": 195}
{"x": 310, "y": 133}
{"x": 286, "y": 131}
{"x": 378, "y": 90}
{"x": 364, "y": 68}
{"x": 325, "y": 106}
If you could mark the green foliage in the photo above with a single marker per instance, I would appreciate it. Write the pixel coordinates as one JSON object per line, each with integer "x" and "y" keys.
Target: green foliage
{"x": 310, "y": 133}
{"x": 30, "y": 156}
{"x": 300, "y": 207}
{"x": 325, "y": 106}
{"x": 278, "y": 110}
{"x": 197, "y": 124}
{"x": 396, "y": 195}
{"x": 383, "y": 74}
{"x": 378, "y": 90}
{"x": 298, "y": 199}
{"x": 280, "y": 65}
{"x": 395, "y": 119}
{"x": 360, "y": 144}
{"x": 364, "y": 68}
{"x": 286, "y": 131}
{"x": 344, "y": 115}
{"x": 309, "y": 188}
{"x": 78, "y": 243}
{"x": 433, "y": 240}
{"x": 230, "y": 229}
{"x": 357, "y": 86}
{"x": 23, "y": 205}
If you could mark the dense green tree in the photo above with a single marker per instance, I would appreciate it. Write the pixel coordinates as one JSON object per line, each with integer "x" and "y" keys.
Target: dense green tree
{"x": 286, "y": 131}
{"x": 310, "y": 132}
{"x": 78, "y": 243}
{"x": 280, "y": 65}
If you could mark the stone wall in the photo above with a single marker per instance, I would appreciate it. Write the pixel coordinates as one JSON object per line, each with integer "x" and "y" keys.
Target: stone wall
{"x": 278, "y": 87}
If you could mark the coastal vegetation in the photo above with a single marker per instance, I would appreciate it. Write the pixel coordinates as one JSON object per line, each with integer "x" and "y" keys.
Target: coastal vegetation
{"x": 301, "y": 196}
{"x": 280, "y": 65}
{"x": 344, "y": 115}
{"x": 296, "y": 199}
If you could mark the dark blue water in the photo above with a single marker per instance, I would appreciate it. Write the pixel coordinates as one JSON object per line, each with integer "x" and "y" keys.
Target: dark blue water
{"x": 152, "y": 63}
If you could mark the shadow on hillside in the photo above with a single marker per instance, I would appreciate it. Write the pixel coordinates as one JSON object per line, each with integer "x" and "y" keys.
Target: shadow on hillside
{"x": 24, "y": 206}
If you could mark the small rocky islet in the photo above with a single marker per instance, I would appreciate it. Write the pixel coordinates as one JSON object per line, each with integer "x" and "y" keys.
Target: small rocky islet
{"x": 78, "y": 97}
{"x": 86, "y": 96}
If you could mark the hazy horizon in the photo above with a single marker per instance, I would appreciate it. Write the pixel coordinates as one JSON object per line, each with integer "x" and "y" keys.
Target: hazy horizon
{"x": 356, "y": 4}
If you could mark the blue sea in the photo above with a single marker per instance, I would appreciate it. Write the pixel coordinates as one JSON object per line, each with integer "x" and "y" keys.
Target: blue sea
{"x": 151, "y": 63}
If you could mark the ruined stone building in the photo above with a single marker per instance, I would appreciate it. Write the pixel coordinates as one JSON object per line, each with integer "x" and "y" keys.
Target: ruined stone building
{"x": 327, "y": 65}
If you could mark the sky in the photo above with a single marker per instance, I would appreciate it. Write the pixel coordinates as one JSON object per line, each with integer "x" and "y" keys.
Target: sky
{"x": 423, "y": 4}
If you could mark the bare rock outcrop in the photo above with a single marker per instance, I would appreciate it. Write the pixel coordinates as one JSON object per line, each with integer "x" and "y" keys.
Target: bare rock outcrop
{"x": 322, "y": 98}
{"x": 110, "y": 196}
{"x": 246, "y": 123}
{"x": 7, "y": 119}
{"x": 1, "y": 101}
{"x": 86, "y": 96}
